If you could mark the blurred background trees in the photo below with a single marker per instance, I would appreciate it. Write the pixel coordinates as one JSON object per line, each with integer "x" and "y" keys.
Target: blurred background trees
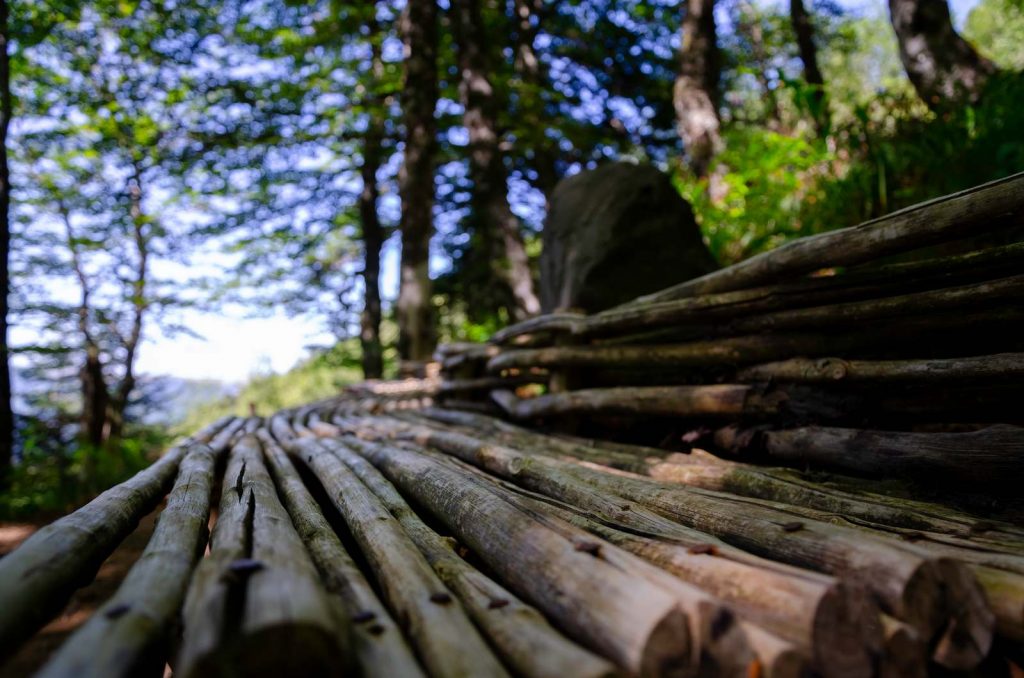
{"x": 383, "y": 168}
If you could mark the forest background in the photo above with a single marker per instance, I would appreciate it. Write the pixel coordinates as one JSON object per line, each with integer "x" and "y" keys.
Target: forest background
{"x": 353, "y": 183}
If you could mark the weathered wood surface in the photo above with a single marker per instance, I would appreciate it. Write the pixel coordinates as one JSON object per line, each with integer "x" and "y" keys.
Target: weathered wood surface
{"x": 256, "y": 605}
{"x": 631, "y": 622}
{"x": 1001, "y": 366}
{"x": 520, "y": 634}
{"x": 377, "y": 641}
{"x": 38, "y": 577}
{"x": 132, "y": 632}
{"x": 445, "y": 638}
{"x": 928, "y": 592}
{"x": 991, "y": 455}
{"x": 992, "y": 205}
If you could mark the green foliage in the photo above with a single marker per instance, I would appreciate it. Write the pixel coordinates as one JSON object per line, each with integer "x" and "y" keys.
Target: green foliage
{"x": 50, "y": 482}
{"x": 320, "y": 376}
{"x": 996, "y": 28}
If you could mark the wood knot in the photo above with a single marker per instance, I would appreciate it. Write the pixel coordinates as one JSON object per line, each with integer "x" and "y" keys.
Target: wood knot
{"x": 117, "y": 611}
{"x": 497, "y": 603}
{"x": 441, "y": 598}
{"x": 591, "y": 547}
{"x": 794, "y": 526}
{"x": 703, "y": 549}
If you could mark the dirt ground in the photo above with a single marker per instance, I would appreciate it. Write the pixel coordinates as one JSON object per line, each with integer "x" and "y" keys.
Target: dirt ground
{"x": 82, "y": 604}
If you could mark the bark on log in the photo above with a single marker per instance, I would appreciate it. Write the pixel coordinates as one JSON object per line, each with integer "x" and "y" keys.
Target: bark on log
{"x": 378, "y": 645}
{"x": 929, "y": 593}
{"x": 131, "y": 633}
{"x": 443, "y": 635}
{"x": 992, "y": 455}
{"x": 1001, "y": 366}
{"x": 1005, "y": 290}
{"x": 37, "y": 579}
{"x": 825, "y": 619}
{"x": 631, "y": 622}
{"x": 255, "y": 606}
{"x": 806, "y": 292}
{"x": 519, "y": 633}
{"x": 968, "y": 212}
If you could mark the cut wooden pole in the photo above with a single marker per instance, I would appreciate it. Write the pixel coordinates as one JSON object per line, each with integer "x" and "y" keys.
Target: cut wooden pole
{"x": 994, "y": 454}
{"x": 989, "y": 206}
{"x": 445, "y": 638}
{"x": 130, "y": 634}
{"x": 378, "y": 645}
{"x": 929, "y": 593}
{"x": 632, "y": 622}
{"x": 905, "y": 654}
{"x": 520, "y": 634}
{"x": 255, "y": 605}
{"x": 38, "y": 577}
{"x": 1001, "y": 366}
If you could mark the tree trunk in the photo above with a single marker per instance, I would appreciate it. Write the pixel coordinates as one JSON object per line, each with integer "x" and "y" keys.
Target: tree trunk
{"x": 696, "y": 89}
{"x": 418, "y": 26}
{"x": 373, "y": 232}
{"x": 534, "y": 84}
{"x": 942, "y": 66}
{"x": 6, "y": 413}
{"x": 804, "y": 30}
{"x": 487, "y": 169}
{"x": 119, "y": 400}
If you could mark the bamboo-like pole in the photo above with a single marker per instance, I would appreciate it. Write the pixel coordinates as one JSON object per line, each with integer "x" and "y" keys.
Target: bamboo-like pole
{"x": 130, "y": 634}
{"x": 968, "y": 212}
{"x": 519, "y": 633}
{"x": 445, "y": 638}
{"x": 255, "y": 605}
{"x": 378, "y": 644}
{"x": 37, "y": 578}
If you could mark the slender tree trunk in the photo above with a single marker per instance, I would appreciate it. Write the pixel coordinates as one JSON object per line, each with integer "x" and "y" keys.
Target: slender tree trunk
{"x": 750, "y": 24}
{"x": 373, "y": 232}
{"x": 942, "y": 66}
{"x": 804, "y": 30}
{"x": 487, "y": 169}
{"x": 534, "y": 83}
{"x": 418, "y": 26}
{"x": 119, "y": 400}
{"x": 6, "y": 413}
{"x": 696, "y": 90}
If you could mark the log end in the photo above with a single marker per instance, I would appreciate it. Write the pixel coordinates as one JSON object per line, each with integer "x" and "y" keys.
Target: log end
{"x": 669, "y": 650}
{"x": 967, "y": 636}
{"x": 847, "y": 632}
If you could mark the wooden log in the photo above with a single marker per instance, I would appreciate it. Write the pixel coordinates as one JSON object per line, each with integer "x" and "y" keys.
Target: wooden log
{"x": 631, "y": 622}
{"x": 1005, "y": 290}
{"x": 463, "y": 386}
{"x": 38, "y": 577}
{"x": 1005, "y": 592}
{"x": 377, "y": 642}
{"x": 518, "y": 632}
{"x": 992, "y": 455}
{"x": 992, "y": 205}
{"x": 998, "y": 367}
{"x": 822, "y": 617}
{"x": 905, "y": 654}
{"x": 445, "y": 638}
{"x": 255, "y": 606}
{"x": 806, "y": 292}
{"x": 927, "y": 592}
{"x": 549, "y": 323}
{"x": 130, "y": 634}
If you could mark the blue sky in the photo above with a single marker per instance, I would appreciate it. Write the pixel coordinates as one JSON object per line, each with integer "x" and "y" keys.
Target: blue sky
{"x": 234, "y": 347}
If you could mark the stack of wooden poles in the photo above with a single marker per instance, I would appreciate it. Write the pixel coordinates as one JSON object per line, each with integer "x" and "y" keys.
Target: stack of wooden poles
{"x": 834, "y": 351}
{"x": 401, "y": 529}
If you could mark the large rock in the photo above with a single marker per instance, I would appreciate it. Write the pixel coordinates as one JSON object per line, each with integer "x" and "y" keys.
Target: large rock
{"x": 615, "y": 233}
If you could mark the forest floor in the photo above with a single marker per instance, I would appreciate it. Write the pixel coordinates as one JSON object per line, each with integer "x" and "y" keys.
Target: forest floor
{"x": 82, "y": 604}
